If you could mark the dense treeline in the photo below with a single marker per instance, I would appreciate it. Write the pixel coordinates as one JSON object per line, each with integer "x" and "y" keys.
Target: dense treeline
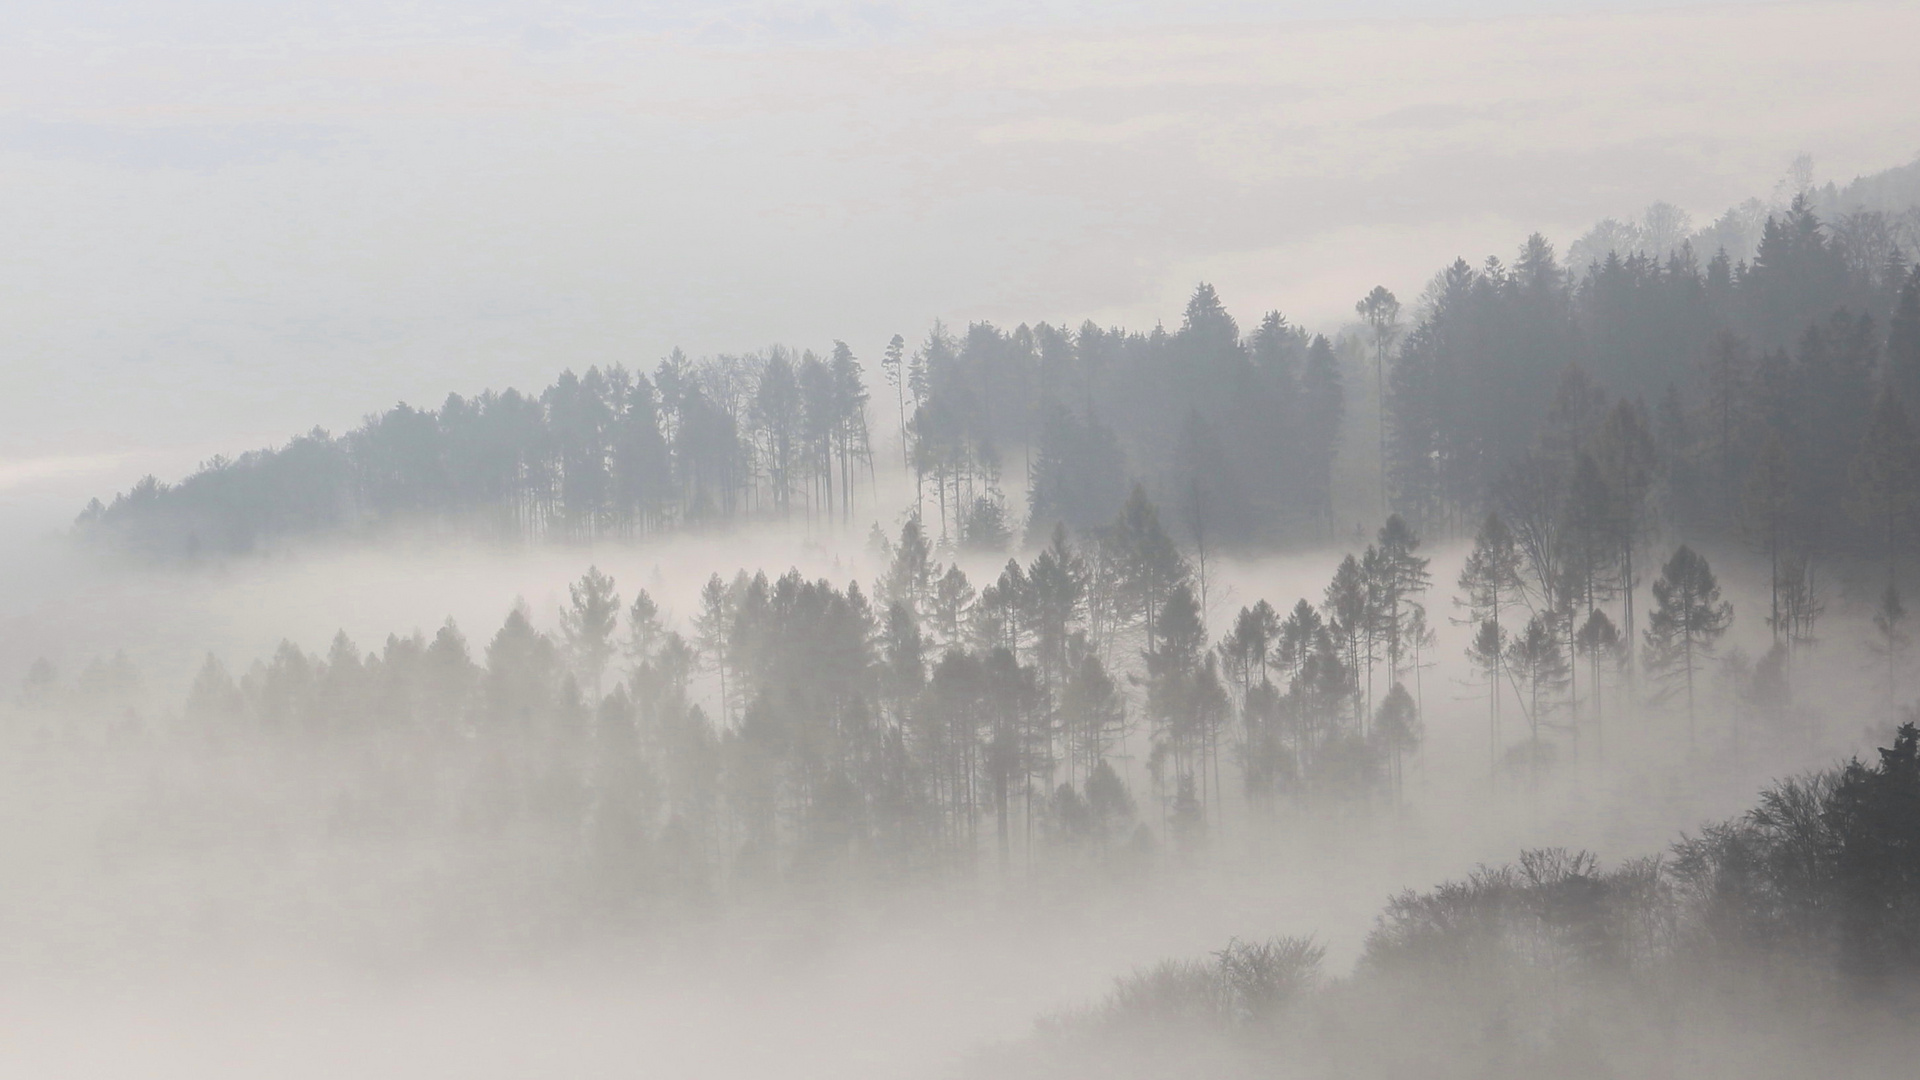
{"x": 1075, "y": 708}
{"x": 1780, "y": 943}
{"x": 1505, "y": 377}
{"x": 918, "y": 725}
{"x": 611, "y": 453}
{"x": 1727, "y": 392}
{"x": 1236, "y": 433}
{"x": 1517, "y": 369}
{"x": 1781, "y": 425}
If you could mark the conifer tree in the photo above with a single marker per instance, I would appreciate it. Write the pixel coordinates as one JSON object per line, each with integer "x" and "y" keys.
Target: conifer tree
{"x": 1490, "y": 584}
{"x": 1399, "y": 728}
{"x": 1349, "y": 615}
{"x": 1057, "y": 583}
{"x": 1323, "y": 404}
{"x": 1380, "y": 309}
{"x": 1885, "y": 477}
{"x": 1892, "y": 639}
{"x": 1404, "y": 579}
{"x": 1687, "y": 619}
{"x": 1535, "y": 657}
{"x": 589, "y": 624}
{"x": 1903, "y": 339}
{"x": 1599, "y": 641}
{"x": 1766, "y": 508}
{"x": 1627, "y": 458}
{"x": 1149, "y": 566}
{"x": 713, "y": 628}
{"x": 893, "y": 365}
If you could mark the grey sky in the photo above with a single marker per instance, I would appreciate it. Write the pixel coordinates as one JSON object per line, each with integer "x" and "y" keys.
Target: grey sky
{"x": 229, "y": 221}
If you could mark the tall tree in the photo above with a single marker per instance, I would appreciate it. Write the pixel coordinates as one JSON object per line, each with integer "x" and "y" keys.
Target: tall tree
{"x": 1323, "y": 403}
{"x": 589, "y": 623}
{"x": 1885, "y": 477}
{"x": 1404, "y": 579}
{"x": 1687, "y": 619}
{"x": 1536, "y": 657}
{"x": 893, "y": 365}
{"x": 1490, "y": 584}
{"x": 1891, "y": 638}
{"x": 1149, "y": 565}
{"x": 1628, "y": 460}
{"x": 1903, "y": 339}
{"x": 1766, "y": 513}
{"x": 1380, "y": 309}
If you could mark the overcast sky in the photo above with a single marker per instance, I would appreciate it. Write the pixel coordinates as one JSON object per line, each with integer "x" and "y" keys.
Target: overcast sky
{"x": 227, "y": 221}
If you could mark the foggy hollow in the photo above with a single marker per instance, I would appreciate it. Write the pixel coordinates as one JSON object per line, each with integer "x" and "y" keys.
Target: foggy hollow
{"x": 1507, "y": 671}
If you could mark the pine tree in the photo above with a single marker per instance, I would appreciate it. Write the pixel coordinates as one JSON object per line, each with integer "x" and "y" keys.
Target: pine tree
{"x": 1598, "y": 640}
{"x": 953, "y": 595}
{"x": 893, "y": 365}
{"x": 1903, "y": 339}
{"x": 1687, "y": 619}
{"x": 1057, "y": 583}
{"x": 1535, "y": 656}
{"x": 1404, "y": 578}
{"x": 1323, "y": 404}
{"x": 848, "y": 422}
{"x": 1400, "y": 730}
{"x": 588, "y": 625}
{"x": 1728, "y": 375}
{"x": 1380, "y": 309}
{"x": 1150, "y": 567}
{"x": 1350, "y": 613}
{"x": 1885, "y": 476}
{"x": 1889, "y": 624}
{"x": 1628, "y": 461}
{"x": 713, "y": 628}
{"x": 1490, "y": 580}
{"x": 1766, "y": 508}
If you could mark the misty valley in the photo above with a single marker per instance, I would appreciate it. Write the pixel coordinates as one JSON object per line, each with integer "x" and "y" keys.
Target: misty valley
{"x": 1513, "y": 678}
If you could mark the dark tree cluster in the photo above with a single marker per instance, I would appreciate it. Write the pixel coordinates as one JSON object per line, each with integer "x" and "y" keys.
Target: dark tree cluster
{"x": 1237, "y": 433}
{"x": 1764, "y": 399}
{"x": 1745, "y": 398}
{"x": 611, "y": 453}
{"x": 1781, "y": 943}
{"x": 1519, "y": 402}
{"x": 917, "y": 726}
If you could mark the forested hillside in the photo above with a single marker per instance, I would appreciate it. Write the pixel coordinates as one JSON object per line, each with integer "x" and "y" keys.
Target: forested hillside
{"x": 1073, "y": 712}
{"x": 1781, "y": 943}
{"x": 1725, "y": 391}
{"x": 1570, "y": 430}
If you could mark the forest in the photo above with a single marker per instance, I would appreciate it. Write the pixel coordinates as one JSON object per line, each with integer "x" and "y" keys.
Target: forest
{"x": 1637, "y": 526}
{"x": 1737, "y": 389}
{"x": 1746, "y": 949}
{"x": 916, "y": 728}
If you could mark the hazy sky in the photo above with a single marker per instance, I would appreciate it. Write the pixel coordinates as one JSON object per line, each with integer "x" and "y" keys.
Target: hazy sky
{"x": 225, "y": 221}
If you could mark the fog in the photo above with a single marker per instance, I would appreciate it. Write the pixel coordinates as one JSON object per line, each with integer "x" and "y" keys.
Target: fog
{"x": 209, "y": 957}
{"x": 875, "y": 540}
{"x": 227, "y": 226}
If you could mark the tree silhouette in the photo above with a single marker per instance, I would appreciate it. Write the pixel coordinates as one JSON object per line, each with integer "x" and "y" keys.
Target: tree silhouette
{"x": 589, "y": 625}
{"x": 1381, "y": 312}
{"x": 1490, "y": 582}
{"x": 1687, "y": 619}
